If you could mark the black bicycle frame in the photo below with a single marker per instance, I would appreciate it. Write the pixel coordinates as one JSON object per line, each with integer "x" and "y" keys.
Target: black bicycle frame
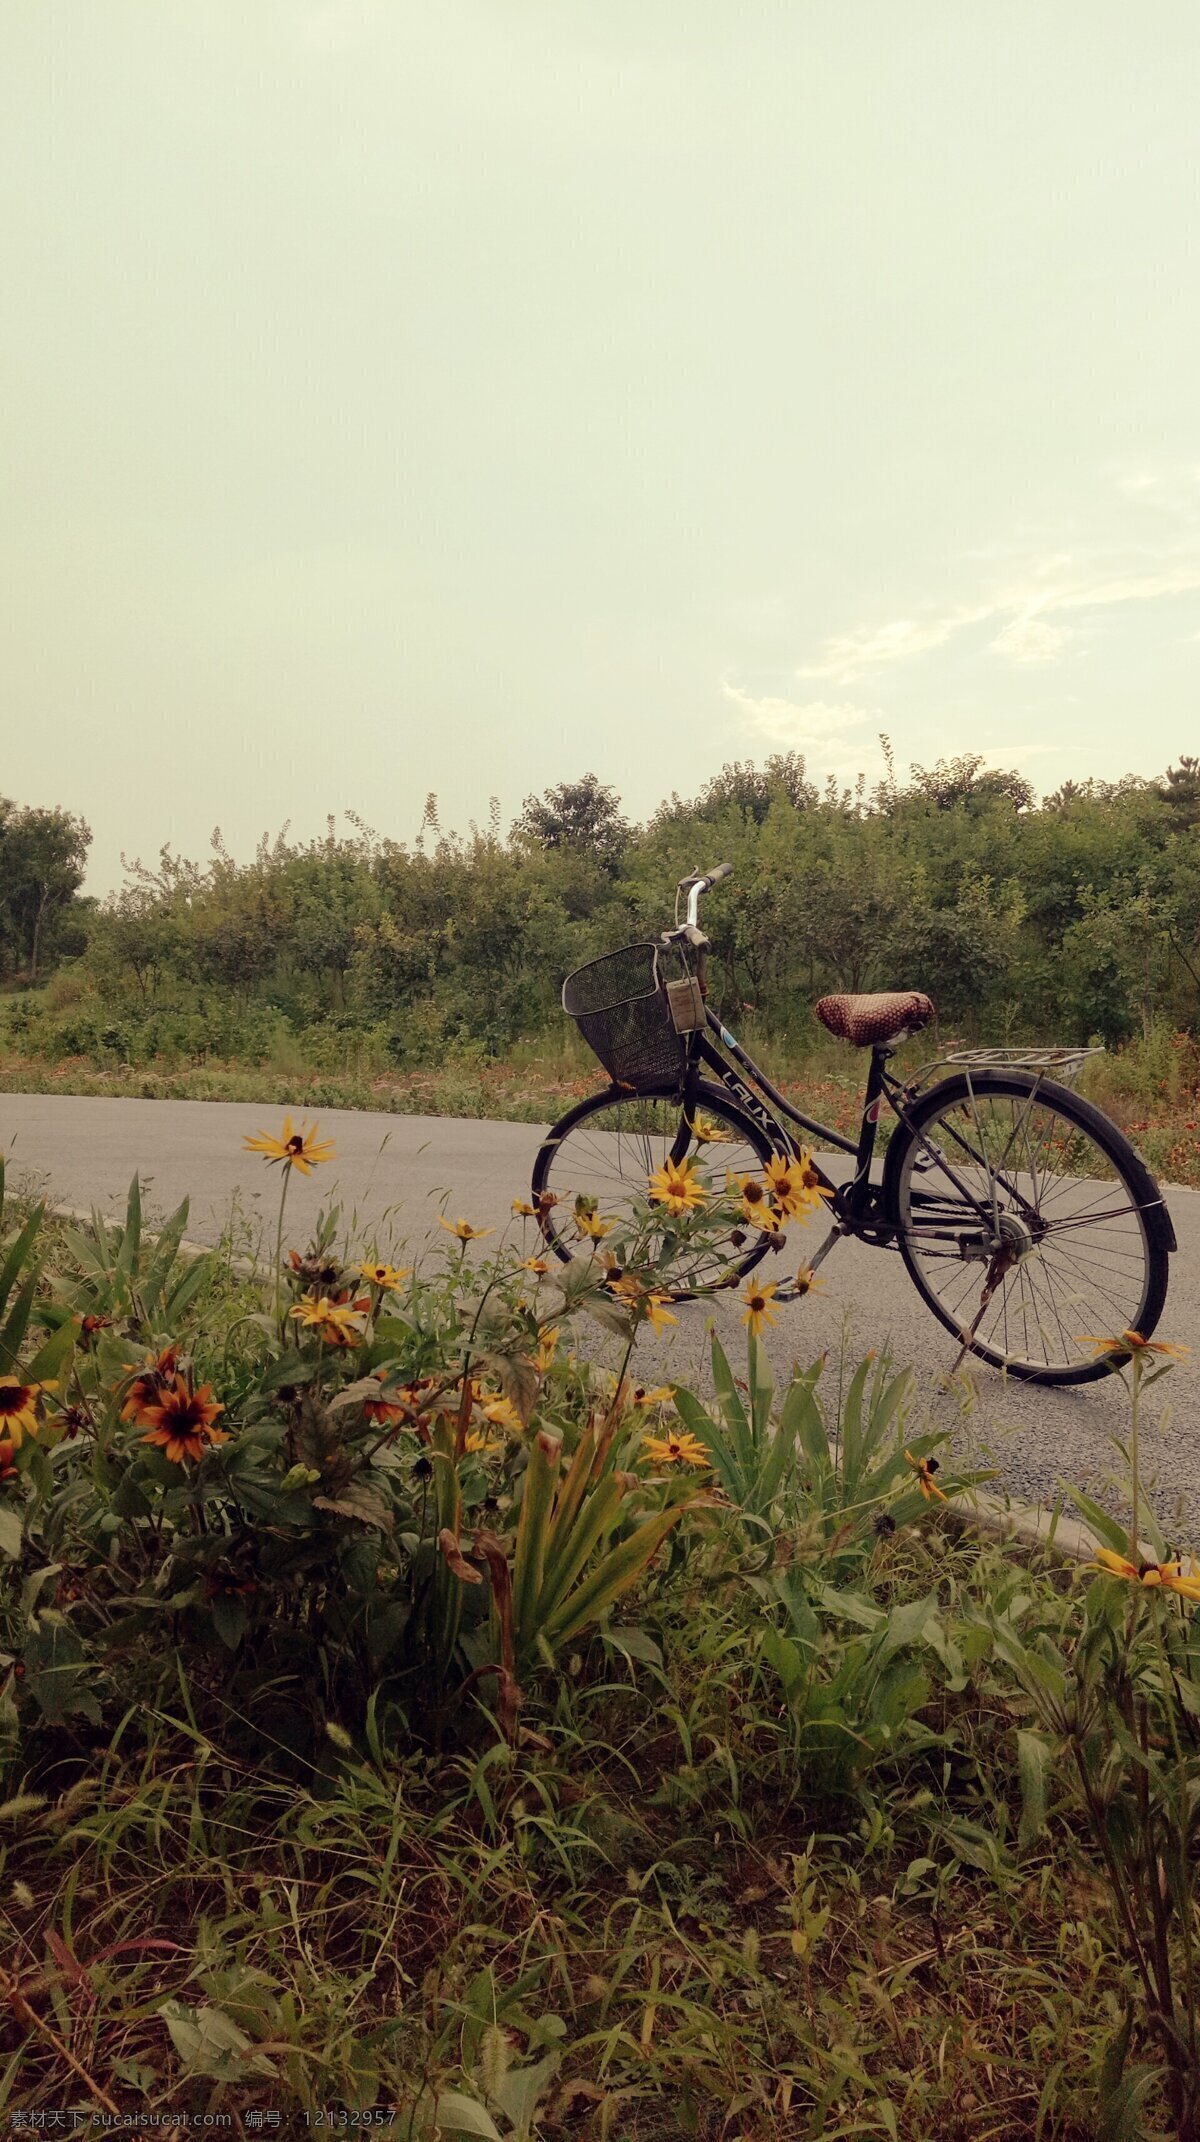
{"x": 855, "y": 1202}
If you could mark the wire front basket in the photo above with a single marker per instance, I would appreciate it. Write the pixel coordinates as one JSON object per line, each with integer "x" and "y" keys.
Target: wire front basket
{"x": 621, "y": 1007}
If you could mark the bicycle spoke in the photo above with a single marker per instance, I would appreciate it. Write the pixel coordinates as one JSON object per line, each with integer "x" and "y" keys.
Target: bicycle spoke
{"x": 1027, "y": 1184}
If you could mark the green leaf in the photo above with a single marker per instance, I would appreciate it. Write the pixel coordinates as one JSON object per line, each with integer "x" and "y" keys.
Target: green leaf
{"x": 209, "y": 2042}
{"x": 131, "y": 1233}
{"x": 455, "y": 2114}
{"x": 230, "y": 1620}
{"x": 1034, "y": 1756}
{"x": 17, "y": 1255}
{"x": 10, "y": 1533}
{"x": 620, "y": 1568}
{"x": 57, "y": 1350}
{"x": 533, "y": 1531}
{"x": 1105, "y": 1527}
{"x": 732, "y": 1410}
{"x": 14, "y": 1331}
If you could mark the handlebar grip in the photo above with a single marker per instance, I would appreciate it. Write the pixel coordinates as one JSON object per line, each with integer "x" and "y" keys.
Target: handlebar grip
{"x": 723, "y": 870}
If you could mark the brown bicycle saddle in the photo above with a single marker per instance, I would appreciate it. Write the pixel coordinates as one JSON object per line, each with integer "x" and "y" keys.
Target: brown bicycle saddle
{"x": 873, "y": 1021}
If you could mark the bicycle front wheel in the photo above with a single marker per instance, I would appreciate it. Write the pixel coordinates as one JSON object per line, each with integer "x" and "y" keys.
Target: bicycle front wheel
{"x": 1028, "y": 1224}
{"x": 608, "y": 1147}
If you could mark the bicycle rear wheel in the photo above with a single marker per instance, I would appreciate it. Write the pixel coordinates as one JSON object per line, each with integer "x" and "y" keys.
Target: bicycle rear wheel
{"x": 608, "y": 1147}
{"x": 1028, "y": 1224}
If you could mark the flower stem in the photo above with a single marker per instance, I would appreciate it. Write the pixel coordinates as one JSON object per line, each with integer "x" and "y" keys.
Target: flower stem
{"x": 287, "y": 1176}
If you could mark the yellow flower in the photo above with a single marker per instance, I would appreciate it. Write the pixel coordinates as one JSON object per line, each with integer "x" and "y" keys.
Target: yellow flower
{"x": 807, "y": 1281}
{"x": 786, "y": 1178}
{"x": 1129, "y": 1343}
{"x": 661, "y": 1395}
{"x": 925, "y": 1468}
{"x": 534, "y": 1264}
{"x": 464, "y": 1230}
{"x": 707, "y": 1132}
{"x": 547, "y": 1346}
{"x": 677, "y": 1187}
{"x": 18, "y": 1409}
{"x": 385, "y": 1276}
{"x": 522, "y": 1210}
{"x": 482, "y": 1446}
{"x": 297, "y": 1149}
{"x": 184, "y": 1421}
{"x": 658, "y": 1316}
{"x": 334, "y": 1322}
{"x": 590, "y": 1223}
{"x": 810, "y": 1182}
{"x": 501, "y": 1413}
{"x": 677, "y": 1449}
{"x": 758, "y": 1307}
{"x": 1169, "y": 1576}
{"x": 756, "y": 1206}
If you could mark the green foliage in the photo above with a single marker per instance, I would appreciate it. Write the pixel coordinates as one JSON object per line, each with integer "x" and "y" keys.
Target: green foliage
{"x": 1073, "y": 919}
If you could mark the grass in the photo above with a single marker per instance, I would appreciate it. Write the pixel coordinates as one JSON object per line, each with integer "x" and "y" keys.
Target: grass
{"x": 638, "y": 1927}
{"x": 766, "y": 1851}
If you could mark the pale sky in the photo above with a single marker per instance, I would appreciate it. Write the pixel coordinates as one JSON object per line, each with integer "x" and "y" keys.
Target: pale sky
{"x": 466, "y": 394}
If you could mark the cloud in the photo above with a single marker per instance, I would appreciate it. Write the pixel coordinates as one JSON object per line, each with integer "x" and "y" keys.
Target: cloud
{"x": 1030, "y": 639}
{"x": 817, "y": 727}
{"x": 1024, "y": 615}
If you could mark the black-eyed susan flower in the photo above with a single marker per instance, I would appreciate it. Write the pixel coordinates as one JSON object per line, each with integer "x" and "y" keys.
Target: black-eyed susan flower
{"x": 500, "y": 1413}
{"x": 463, "y": 1230}
{"x": 680, "y": 1448}
{"x": 591, "y": 1224}
{"x": 925, "y": 1468}
{"x": 785, "y": 1179}
{"x": 706, "y": 1131}
{"x": 656, "y": 1312}
{"x": 335, "y": 1323}
{"x": 18, "y": 1409}
{"x": 659, "y": 1394}
{"x": 807, "y": 1282}
{"x": 537, "y": 1265}
{"x": 297, "y": 1149}
{"x": 756, "y": 1204}
{"x": 183, "y": 1422}
{"x": 480, "y": 1445}
{"x": 547, "y": 1346}
{"x": 1127, "y": 1345}
{"x": 677, "y": 1186}
{"x": 523, "y": 1210}
{"x": 387, "y": 1277}
{"x": 758, "y": 1311}
{"x": 148, "y": 1386}
{"x": 1153, "y": 1576}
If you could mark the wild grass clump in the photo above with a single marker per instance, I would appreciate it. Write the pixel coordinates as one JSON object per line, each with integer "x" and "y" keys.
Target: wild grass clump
{"x": 401, "y": 1714}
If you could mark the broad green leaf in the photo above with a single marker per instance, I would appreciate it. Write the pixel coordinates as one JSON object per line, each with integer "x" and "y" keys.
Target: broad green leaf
{"x": 210, "y": 2043}
{"x": 10, "y": 1532}
{"x": 454, "y": 2114}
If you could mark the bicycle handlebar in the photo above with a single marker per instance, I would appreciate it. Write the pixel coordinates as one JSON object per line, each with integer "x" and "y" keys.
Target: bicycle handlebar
{"x": 700, "y": 883}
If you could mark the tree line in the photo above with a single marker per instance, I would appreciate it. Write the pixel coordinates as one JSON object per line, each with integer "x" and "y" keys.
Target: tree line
{"x": 1070, "y": 918}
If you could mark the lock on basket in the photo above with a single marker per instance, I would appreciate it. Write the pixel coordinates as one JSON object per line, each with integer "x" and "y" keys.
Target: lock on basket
{"x": 635, "y": 1015}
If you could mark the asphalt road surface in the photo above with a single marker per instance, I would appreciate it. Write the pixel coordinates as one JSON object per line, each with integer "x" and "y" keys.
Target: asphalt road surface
{"x": 392, "y": 1175}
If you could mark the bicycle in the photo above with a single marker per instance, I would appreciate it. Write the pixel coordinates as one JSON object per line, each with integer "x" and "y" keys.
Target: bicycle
{"x": 1027, "y": 1222}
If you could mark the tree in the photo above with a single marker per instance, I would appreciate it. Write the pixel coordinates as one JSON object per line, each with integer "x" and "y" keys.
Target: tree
{"x": 43, "y": 854}
{"x": 583, "y": 815}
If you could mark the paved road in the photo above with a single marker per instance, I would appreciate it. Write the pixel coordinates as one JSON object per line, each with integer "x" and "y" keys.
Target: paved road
{"x": 393, "y": 1174}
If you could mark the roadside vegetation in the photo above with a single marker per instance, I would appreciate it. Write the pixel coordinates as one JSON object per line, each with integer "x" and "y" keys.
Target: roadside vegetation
{"x": 352, "y": 972}
{"x": 400, "y": 1711}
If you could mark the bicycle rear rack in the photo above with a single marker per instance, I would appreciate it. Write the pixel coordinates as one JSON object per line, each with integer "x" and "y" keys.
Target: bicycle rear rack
{"x": 1063, "y": 1064}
